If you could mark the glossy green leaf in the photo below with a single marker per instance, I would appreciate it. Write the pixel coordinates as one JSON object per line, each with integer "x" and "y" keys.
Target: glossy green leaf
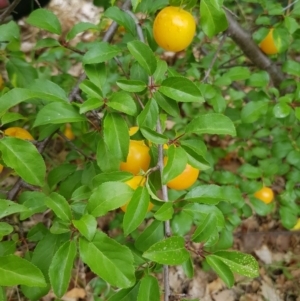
{"x": 282, "y": 110}
{"x": 24, "y": 158}
{"x": 8, "y": 207}
{"x": 108, "y": 196}
{"x": 188, "y": 268}
{"x": 250, "y": 171}
{"x": 205, "y": 229}
{"x": 59, "y": 173}
{"x": 238, "y": 73}
{"x": 253, "y": 110}
{"x": 127, "y": 294}
{"x": 45, "y": 19}
{"x": 60, "y": 270}
{"x": 55, "y": 113}
{"x": 59, "y": 205}
{"x": 90, "y": 89}
{"x": 91, "y": 104}
{"x": 213, "y": 19}
{"x": 15, "y": 270}
{"x": 149, "y": 289}
{"x": 108, "y": 259}
{"x": 243, "y": 264}
{"x": 111, "y": 176}
{"x": 5, "y": 229}
{"x": 34, "y": 202}
{"x": 153, "y": 136}
{"x": 149, "y": 115}
{"x": 169, "y": 251}
{"x": 86, "y": 225}
{"x": 206, "y": 194}
{"x": 96, "y": 73}
{"x": 122, "y": 102}
{"x": 221, "y": 269}
{"x": 79, "y": 28}
{"x": 152, "y": 234}
{"x": 177, "y": 160}
{"x": 122, "y": 18}
{"x": 165, "y": 212}
{"x": 131, "y": 85}
{"x": 100, "y": 52}
{"x": 167, "y": 104}
{"x": 213, "y": 123}
{"x": 144, "y": 55}
{"x": 181, "y": 89}
{"x": 136, "y": 210}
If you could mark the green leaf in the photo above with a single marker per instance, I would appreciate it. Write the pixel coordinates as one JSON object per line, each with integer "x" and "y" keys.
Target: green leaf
{"x": 213, "y": 19}
{"x": 8, "y": 207}
{"x": 260, "y": 207}
{"x": 9, "y": 117}
{"x": 107, "y": 161}
{"x": 96, "y": 73}
{"x": 20, "y": 72}
{"x": 152, "y": 234}
{"x": 100, "y": 52}
{"x": 258, "y": 79}
{"x": 60, "y": 270}
{"x": 144, "y": 55}
{"x": 127, "y": 294}
{"x": 169, "y": 251}
{"x": 181, "y": 89}
{"x": 291, "y": 67}
{"x": 34, "y": 202}
{"x": 56, "y": 113}
{"x": 108, "y": 196}
{"x": 206, "y": 229}
{"x": 15, "y": 270}
{"x": 221, "y": 269}
{"x": 188, "y": 268}
{"x": 136, "y": 210}
{"x": 206, "y": 194}
{"x": 90, "y": 104}
{"x": 44, "y": 19}
{"x": 23, "y": 157}
{"x": 165, "y": 212}
{"x": 153, "y": 136}
{"x": 167, "y": 104}
{"x": 122, "y": 102}
{"x": 149, "y": 115}
{"x": 90, "y": 89}
{"x": 122, "y": 18}
{"x": 108, "y": 259}
{"x": 78, "y": 28}
{"x": 86, "y": 225}
{"x": 59, "y": 173}
{"x": 282, "y": 110}
{"x": 111, "y": 176}
{"x": 253, "y": 110}
{"x": 131, "y": 85}
{"x": 47, "y": 43}
{"x": 249, "y": 171}
{"x": 297, "y": 113}
{"x": 176, "y": 164}
{"x": 5, "y": 229}
{"x": 212, "y": 123}
{"x": 238, "y": 73}
{"x": 199, "y": 212}
{"x": 243, "y": 264}
{"x": 149, "y": 289}
{"x": 10, "y": 32}
{"x": 116, "y": 135}
{"x": 59, "y": 205}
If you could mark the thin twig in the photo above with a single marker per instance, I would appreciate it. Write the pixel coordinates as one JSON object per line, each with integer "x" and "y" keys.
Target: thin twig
{"x": 207, "y": 73}
{"x": 9, "y": 10}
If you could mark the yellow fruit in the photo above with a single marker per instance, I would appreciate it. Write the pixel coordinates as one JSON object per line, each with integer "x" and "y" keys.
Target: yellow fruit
{"x": 138, "y": 158}
{"x": 297, "y": 226}
{"x": 68, "y": 132}
{"x": 18, "y": 133}
{"x": 133, "y": 130}
{"x": 186, "y": 179}
{"x": 265, "y": 194}
{"x": 174, "y": 28}
{"x": 268, "y": 44}
{"x": 134, "y": 183}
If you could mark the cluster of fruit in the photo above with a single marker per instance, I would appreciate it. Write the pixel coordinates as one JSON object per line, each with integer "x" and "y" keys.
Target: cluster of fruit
{"x": 174, "y": 29}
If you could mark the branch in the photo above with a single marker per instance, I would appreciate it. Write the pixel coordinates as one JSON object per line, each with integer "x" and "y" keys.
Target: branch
{"x": 9, "y": 10}
{"x": 244, "y": 40}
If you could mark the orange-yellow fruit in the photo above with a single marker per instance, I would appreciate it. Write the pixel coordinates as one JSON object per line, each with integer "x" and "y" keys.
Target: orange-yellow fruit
{"x": 18, "y": 133}
{"x": 174, "y": 28}
{"x": 134, "y": 183}
{"x": 186, "y": 179}
{"x": 268, "y": 44}
{"x": 138, "y": 158}
{"x": 133, "y": 130}
{"x": 265, "y": 194}
{"x": 297, "y": 226}
{"x": 68, "y": 132}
